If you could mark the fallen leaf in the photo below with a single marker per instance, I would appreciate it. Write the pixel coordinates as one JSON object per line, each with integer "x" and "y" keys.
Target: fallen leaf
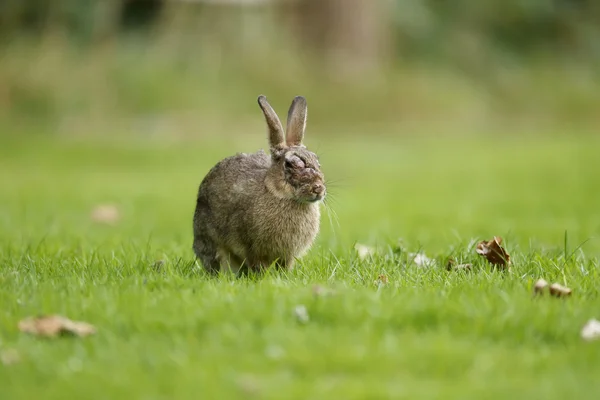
{"x": 462, "y": 267}
{"x": 540, "y": 286}
{"x": 318, "y": 290}
{"x": 321, "y": 291}
{"x": 363, "y": 251}
{"x": 9, "y": 357}
{"x": 421, "y": 260}
{"x": 106, "y": 214}
{"x": 55, "y": 325}
{"x": 452, "y": 266}
{"x": 493, "y": 251}
{"x": 301, "y": 314}
{"x": 381, "y": 280}
{"x": 591, "y": 330}
{"x": 558, "y": 290}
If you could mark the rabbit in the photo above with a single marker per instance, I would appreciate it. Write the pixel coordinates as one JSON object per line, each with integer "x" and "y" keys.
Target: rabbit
{"x": 255, "y": 210}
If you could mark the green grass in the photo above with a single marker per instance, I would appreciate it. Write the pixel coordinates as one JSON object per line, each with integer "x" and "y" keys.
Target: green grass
{"x": 174, "y": 333}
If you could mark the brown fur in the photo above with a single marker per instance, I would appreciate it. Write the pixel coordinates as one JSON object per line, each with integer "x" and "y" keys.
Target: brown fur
{"x": 253, "y": 210}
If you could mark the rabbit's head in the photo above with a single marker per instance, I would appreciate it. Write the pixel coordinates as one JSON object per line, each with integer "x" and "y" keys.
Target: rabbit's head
{"x": 295, "y": 172}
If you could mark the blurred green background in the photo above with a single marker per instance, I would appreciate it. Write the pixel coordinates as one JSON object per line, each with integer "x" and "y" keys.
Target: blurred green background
{"x": 193, "y": 69}
{"x": 434, "y": 119}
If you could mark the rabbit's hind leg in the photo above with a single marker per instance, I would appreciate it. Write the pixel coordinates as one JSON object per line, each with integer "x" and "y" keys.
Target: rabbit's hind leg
{"x": 285, "y": 264}
{"x": 252, "y": 267}
{"x": 229, "y": 262}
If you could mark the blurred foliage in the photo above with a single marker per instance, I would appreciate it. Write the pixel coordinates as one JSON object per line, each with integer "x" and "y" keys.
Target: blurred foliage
{"x": 420, "y": 27}
{"x": 516, "y": 26}
{"x": 76, "y": 64}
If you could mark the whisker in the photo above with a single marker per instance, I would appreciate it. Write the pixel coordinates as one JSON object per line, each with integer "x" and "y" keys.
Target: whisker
{"x": 332, "y": 215}
{"x": 331, "y": 198}
{"x": 335, "y": 181}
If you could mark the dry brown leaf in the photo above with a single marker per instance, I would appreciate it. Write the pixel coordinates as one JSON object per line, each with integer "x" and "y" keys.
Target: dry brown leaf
{"x": 494, "y": 252}
{"x": 106, "y": 214}
{"x": 558, "y": 290}
{"x": 462, "y": 267}
{"x": 321, "y": 291}
{"x": 591, "y": 330}
{"x": 55, "y": 325}
{"x": 540, "y": 286}
{"x": 9, "y": 357}
{"x": 381, "y": 280}
{"x": 452, "y": 266}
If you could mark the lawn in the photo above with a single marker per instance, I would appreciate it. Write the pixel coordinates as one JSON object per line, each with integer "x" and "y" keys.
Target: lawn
{"x": 169, "y": 331}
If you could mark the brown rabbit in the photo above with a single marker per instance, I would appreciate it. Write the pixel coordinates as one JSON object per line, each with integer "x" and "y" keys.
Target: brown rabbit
{"x": 253, "y": 210}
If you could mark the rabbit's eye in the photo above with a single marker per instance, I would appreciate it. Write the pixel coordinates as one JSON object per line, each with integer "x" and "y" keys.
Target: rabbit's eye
{"x": 294, "y": 162}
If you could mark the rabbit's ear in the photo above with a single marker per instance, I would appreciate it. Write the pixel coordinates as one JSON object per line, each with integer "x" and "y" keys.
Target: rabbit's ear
{"x": 296, "y": 121}
{"x": 276, "y": 137}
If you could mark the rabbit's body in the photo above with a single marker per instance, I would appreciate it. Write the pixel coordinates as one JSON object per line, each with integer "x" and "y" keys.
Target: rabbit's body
{"x": 256, "y": 209}
{"x": 243, "y": 226}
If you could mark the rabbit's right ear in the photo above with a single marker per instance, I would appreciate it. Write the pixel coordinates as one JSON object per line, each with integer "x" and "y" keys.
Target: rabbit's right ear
{"x": 296, "y": 122}
{"x": 276, "y": 136}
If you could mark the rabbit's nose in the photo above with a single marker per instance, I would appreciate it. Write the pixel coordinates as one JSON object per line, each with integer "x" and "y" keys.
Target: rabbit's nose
{"x": 318, "y": 188}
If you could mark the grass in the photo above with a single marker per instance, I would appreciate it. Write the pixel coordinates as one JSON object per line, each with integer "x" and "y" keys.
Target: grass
{"x": 174, "y": 333}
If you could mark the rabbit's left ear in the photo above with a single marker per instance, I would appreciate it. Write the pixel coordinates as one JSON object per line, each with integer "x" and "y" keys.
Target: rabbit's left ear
{"x": 296, "y": 122}
{"x": 276, "y": 138}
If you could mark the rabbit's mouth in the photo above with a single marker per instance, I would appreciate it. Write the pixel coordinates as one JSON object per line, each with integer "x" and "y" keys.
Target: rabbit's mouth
{"x": 316, "y": 197}
{"x": 310, "y": 198}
